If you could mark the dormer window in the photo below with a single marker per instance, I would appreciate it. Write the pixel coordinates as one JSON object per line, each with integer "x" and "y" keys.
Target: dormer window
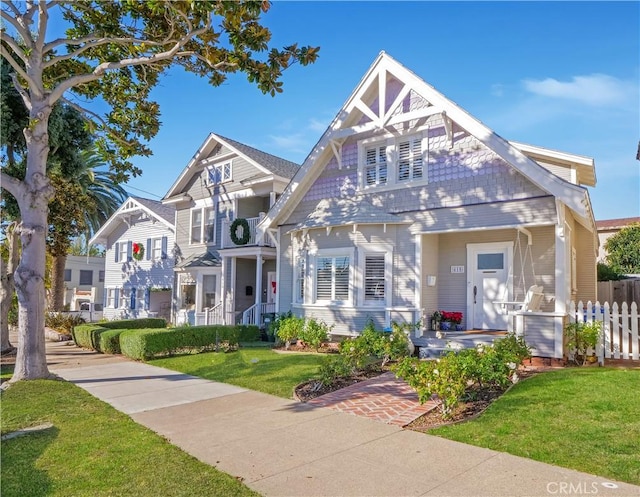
{"x": 392, "y": 161}
{"x": 219, "y": 173}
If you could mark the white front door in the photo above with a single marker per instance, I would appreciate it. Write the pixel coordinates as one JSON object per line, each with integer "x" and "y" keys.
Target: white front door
{"x": 487, "y": 283}
{"x": 271, "y": 287}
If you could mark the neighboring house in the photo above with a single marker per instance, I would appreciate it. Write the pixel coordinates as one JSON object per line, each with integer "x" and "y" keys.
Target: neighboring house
{"x": 139, "y": 239}
{"x": 83, "y": 280}
{"x": 408, "y": 204}
{"x": 609, "y": 227}
{"x": 224, "y": 273}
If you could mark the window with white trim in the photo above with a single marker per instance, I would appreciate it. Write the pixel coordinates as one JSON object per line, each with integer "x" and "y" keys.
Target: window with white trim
{"x": 156, "y": 248}
{"x": 300, "y": 273}
{"x": 203, "y": 224}
{"x": 124, "y": 251}
{"x": 392, "y": 161}
{"x": 219, "y": 173}
{"x": 332, "y": 278}
{"x": 111, "y": 298}
{"x": 374, "y": 278}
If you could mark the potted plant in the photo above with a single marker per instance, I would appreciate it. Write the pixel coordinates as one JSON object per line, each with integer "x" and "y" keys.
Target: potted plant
{"x": 436, "y": 318}
{"x": 453, "y": 319}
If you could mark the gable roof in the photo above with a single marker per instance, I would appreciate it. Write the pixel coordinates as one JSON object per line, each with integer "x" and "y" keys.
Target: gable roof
{"x": 165, "y": 214}
{"x": 345, "y": 124}
{"x": 265, "y": 162}
{"x": 616, "y": 224}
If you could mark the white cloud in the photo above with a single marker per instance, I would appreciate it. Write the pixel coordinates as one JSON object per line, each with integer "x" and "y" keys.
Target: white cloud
{"x": 595, "y": 89}
{"x": 295, "y": 143}
{"x": 317, "y": 125}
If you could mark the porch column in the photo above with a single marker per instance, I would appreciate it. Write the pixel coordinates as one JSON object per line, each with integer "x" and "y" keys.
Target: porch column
{"x": 561, "y": 281}
{"x": 258, "y": 289}
{"x": 222, "y": 290}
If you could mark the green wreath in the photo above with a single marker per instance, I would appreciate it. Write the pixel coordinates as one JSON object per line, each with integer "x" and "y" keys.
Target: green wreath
{"x": 138, "y": 251}
{"x": 244, "y": 239}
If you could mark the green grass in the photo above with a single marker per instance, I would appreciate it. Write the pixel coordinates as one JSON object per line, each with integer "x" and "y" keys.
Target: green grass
{"x": 93, "y": 450}
{"x": 581, "y": 418}
{"x": 255, "y": 368}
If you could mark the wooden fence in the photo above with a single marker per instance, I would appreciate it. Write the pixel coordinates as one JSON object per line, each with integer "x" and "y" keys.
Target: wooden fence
{"x": 619, "y": 291}
{"x": 619, "y": 328}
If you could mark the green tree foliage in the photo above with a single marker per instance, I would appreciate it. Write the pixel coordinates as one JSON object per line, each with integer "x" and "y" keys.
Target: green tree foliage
{"x": 113, "y": 54}
{"x": 623, "y": 250}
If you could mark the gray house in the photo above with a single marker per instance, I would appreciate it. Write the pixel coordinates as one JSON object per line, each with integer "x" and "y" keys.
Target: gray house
{"x": 224, "y": 272}
{"x": 408, "y": 205}
{"x": 139, "y": 239}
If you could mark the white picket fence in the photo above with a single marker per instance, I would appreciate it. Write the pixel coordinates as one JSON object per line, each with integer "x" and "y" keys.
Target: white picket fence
{"x": 619, "y": 328}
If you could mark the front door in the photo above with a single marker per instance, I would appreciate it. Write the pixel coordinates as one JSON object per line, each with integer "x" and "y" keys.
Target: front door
{"x": 487, "y": 284}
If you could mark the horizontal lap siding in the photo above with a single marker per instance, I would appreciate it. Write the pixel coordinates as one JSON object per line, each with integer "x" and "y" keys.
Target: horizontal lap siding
{"x": 585, "y": 243}
{"x": 345, "y": 320}
{"x": 539, "y": 335}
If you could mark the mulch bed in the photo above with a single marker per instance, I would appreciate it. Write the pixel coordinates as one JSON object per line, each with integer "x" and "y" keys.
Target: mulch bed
{"x": 312, "y": 388}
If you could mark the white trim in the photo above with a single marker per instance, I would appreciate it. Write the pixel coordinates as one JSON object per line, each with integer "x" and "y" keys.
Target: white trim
{"x": 359, "y": 284}
{"x": 314, "y": 255}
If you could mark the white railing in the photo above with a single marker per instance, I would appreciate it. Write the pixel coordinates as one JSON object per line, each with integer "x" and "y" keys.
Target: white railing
{"x": 619, "y": 328}
{"x": 253, "y": 223}
{"x": 250, "y": 315}
{"x": 210, "y": 315}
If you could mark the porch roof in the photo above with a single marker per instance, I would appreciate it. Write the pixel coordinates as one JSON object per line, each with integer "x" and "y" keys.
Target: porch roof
{"x": 346, "y": 211}
{"x": 205, "y": 259}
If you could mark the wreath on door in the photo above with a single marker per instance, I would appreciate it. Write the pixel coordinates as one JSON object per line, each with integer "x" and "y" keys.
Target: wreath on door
{"x": 244, "y": 224}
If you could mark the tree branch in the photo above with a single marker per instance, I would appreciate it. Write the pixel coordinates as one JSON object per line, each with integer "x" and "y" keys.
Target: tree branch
{"x": 14, "y": 186}
{"x": 18, "y": 23}
{"x": 99, "y": 70}
{"x": 43, "y": 20}
{"x": 18, "y": 68}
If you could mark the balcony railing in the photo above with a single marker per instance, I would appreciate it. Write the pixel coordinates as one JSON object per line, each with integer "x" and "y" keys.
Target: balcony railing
{"x": 227, "y": 242}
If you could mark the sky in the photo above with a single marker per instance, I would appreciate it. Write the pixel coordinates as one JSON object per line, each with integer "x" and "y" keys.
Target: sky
{"x": 560, "y": 75}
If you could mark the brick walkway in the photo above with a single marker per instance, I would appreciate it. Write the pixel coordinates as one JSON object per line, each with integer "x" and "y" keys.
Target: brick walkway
{"x": 384, "y": 398}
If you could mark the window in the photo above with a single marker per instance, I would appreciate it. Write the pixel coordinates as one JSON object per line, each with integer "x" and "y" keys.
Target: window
{"x": 392, "y": 161}
{"x": 374, "y": 278}
{"x": 220, "y": 173}
{"x": 86, "y": 277}
{"x": 300, "y": 273}
{"x": 123, "y": 252}
{"x": 196, "y": 226}
{"x": 67, "y": 275}
{"x": 156, "y": 248}
{"x": 203, "y": 222}
{"x": 375, "y": 169}
{"x": 332, "y": 278}
{"x": 101, "y": 276}
{"x": 112, "y": 297}
{"x": 574, "y": 270}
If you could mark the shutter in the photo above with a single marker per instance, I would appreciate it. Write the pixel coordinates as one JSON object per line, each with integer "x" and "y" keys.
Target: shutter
{"x": 148, "y": 249}
{"x": 147, "y": 298}
{"x": 374, "y": 279}
{"x": 129, "y": 250}
{"x": 323, "y": 278}
{"x": 164, "y": 247}
{"x": 117, "y": 252}
{"x": 416, "y": 147}
{"x": 341, "y": 278}
{"x": 404, "y": 153}
{"x": 133, "y": 299}
{"x": 116, "y": 298}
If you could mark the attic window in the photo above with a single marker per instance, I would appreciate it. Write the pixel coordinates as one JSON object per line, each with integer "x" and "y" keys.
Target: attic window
{"x": 220, "y": 173}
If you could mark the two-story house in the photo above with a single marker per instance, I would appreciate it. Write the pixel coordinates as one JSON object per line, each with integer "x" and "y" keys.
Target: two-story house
{"x": 139, "y": 239}
{"x": 224, "y": 273}
{"x": 408, "y": 205}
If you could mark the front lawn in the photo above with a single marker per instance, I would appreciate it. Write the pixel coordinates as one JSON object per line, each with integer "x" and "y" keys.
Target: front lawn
{"x": 93, "y": 450}
{"x": 580, "y": 418}
{"x": 255, "y": 368}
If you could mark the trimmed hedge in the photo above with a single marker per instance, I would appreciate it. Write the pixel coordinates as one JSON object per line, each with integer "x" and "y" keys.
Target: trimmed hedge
{"x": 109, "y": 342}
{"x": 150, "y": 343}
{"x": 87, "y": 335}
{"x": 134, "y": 324}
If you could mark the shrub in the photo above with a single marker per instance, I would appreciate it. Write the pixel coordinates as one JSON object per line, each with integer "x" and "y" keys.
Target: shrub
{"x": 149, "y": 343}
{"x": 134, "y": 324}
{"x": 87, "y": 335}
{"x": 61, "y": 322}
{"x": 315, "y": 332}
{"x": 109, "y": 341}
{"x": 334, "y": 367}
{"x": 290, "y": 328}
{"x": 580, "y": 337}
{"x": 274, "y": 326}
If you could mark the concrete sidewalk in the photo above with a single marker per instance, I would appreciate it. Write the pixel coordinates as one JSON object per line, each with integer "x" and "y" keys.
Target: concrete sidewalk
{"x": 284, "y": 448}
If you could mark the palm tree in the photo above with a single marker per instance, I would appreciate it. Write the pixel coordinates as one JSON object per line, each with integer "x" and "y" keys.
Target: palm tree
{"x": 83, "y": 202}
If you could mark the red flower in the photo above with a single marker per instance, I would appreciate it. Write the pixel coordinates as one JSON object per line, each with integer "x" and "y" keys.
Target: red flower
{"x": 454, "y": 317}
{"x": 136, "y": 248}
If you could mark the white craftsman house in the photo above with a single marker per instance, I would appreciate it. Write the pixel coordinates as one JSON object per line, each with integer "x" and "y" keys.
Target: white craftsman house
{"x": 408, "y": 205}
{"x": 224, "y": 273}
{"x": 139, "y": 239}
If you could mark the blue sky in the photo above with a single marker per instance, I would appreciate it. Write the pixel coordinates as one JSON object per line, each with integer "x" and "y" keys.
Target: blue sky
{"x": 561, "y": 75}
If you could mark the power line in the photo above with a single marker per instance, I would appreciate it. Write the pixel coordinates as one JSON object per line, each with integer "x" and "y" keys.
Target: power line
{"x": 143, "y": 191}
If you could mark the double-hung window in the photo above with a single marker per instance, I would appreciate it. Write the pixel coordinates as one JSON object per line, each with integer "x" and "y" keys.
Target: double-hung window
{"x": 156, "y": 248}
{"x": 375, "y": 168}
{"x": 203, "y": 222}
{"x": 123, "y": 252}
{"x": 374, "y": 278}
{"x": 112, "y": 297}
{"x": 410, "y": 159}
{"x": 300, "y": 273}
{"x": 332, "y": 278}
{"x": 196, "y": 226}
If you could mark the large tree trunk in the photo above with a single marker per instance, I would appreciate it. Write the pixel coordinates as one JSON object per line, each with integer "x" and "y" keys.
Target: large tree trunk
{"x": 33, "y": 198}
{"x": 57, "y": 283}
{"x": 7, "y": 289}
